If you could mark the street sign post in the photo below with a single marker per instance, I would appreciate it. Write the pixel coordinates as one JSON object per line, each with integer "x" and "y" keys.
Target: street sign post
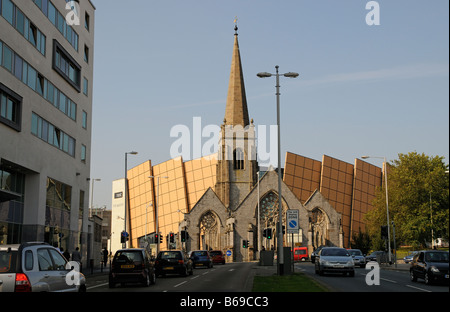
{"x": 292, "y": 221}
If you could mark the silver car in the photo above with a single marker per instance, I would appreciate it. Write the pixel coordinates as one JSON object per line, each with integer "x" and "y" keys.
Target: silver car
{"x": 335, "y": 260}
{"x": 38, "y": 267}
{"x": 358, "y": 257}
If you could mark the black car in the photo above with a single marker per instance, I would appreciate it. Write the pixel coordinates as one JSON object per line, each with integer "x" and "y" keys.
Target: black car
{"x": 431, "y": 265}
{"x": 132, "y": 265}
{"x": 315, "y": 253}
{"x": 173, "y": 262}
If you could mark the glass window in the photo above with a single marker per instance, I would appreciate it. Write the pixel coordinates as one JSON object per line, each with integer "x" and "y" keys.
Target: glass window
{"x": 18, "y": 66}
{"x": 85, "y": 86}
{"x": 29, "y": 261}
{"x": 44, "y": 260}
{"x": 7, "y": 58}
{"x": 32, "y": 75}
{"x": 1, "y": 46}
{"x": 83, "y": 153}
{"x": 62, "y": 102}
{"x": 51, "y": 93}
{"x": 20, "y": 20}
{"x": 34, "y": 123}
{"x": 25, "y": 73}
{"x": 60, "y": 22}
{"x": 51, "y": 131}
{"x": 51, "y": 13}
{"x": 3, "y": 105}
{"x": 7, "y": 10}
{"x": 84, "y": 120}
{"x": 59, "y": 261}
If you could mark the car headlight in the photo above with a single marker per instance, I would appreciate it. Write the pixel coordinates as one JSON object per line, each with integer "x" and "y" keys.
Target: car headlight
{"x": 434, "y": 269}
{"x": 324, "y": 262}
{"x": 350, "y": 262}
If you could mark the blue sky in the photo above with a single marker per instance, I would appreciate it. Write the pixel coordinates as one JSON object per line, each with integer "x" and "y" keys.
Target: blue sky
{"x": 362, "y": 90}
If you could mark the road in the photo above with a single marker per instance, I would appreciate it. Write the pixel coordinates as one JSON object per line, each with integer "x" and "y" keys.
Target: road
{"x": 390, "y": 281}
{"x": 231, "y": 277}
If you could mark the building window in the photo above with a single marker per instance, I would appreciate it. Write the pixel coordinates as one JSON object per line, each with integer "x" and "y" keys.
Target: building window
{"x": 66, "y": 66}
{"x": 238, "y": 159}
{"x": 85, "y": 86}
{"x": 86, "y": 21}
{"x": 86, "y": 54}
{"x": 52, "y": 135}
{"x": 83, "y": 153}
{"x": 84, "y": 120}
{"x": 10, "y": 108}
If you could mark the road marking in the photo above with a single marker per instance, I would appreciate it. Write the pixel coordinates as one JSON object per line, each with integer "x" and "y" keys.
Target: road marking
{"x": 195, "y": 277}
{"x": 99, "y": 285}
{"x": 230, "y": 270}
{"x": 385, "y": 279}
{"x": 180, "y": 284}
{"x": 418, "y": 288}
{"x": 205, "y": 273}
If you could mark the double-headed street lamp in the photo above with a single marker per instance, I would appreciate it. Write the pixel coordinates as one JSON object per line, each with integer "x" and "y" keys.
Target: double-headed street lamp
{"x": 280, "y": 256}
{"x": 387, "y": 203}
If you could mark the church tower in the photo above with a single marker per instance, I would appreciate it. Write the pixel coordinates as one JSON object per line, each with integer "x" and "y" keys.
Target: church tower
{"x": 237, "y": 164}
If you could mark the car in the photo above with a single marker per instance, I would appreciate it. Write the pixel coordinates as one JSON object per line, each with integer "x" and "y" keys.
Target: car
{"x": 335, "y": 260}
{"x": 431, "y": 265}
{"x": 379, "y": 256}
{"x": 201, "y": 258}
{"x": 217, "y": 256}
{"x": 300, "y": 253}
{"x": 314, "y": 253}
{"x": 132, "y": 265}
{"x": 173, "y": 262}
{"x": 410, "y": 256}
{"x": 38, "y": 267}
{"x": 358, "y": 257}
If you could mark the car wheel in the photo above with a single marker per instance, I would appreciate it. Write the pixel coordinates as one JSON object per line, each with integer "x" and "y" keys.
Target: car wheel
{"x": 112, "y": 284}
{"x": 185, "y": 272}
{"x": 147, "y": 280}
{"x": 153, "y": 278}
{"x": 412, "y": 276}
{"x": 351, "y": 274}
{"x": 428, "y": 279}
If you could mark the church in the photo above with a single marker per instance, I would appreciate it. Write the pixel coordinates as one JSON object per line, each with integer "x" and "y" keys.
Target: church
{"x": 226, "y": 199}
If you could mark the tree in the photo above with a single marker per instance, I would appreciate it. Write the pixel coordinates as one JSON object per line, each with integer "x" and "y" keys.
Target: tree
{"x": 418, "y": 196}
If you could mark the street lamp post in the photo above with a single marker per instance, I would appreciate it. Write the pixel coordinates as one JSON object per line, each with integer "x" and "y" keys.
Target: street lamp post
{"x": 387, "y": 203}
{"x": 156, "y": 211}
{"x": 124, "y": 245}
{"x": 280, "y": 257}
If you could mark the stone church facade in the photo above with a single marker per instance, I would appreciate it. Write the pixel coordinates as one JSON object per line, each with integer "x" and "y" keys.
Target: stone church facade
{"x": 228, "y": 214}
{"x": 215, "y": 198}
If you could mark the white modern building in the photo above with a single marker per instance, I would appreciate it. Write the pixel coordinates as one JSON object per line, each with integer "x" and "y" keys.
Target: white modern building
{"x": 46, "y": 79}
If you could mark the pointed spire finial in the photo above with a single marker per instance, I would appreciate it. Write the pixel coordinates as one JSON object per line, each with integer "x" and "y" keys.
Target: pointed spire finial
{"x": 235, "y": 26}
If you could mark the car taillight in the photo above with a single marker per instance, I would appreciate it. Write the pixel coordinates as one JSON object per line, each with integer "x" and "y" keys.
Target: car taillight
{"x": 22, "y": 283}
{"x": 180, "y": 262}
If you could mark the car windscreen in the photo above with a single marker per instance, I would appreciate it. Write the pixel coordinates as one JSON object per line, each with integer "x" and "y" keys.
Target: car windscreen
{"x": 125, "y": 257}
{"x": 355, "y": 252}
{"x": 8, "y": 261}
{"x": 215, "y": 253}
{"x": 200, "y": 253}
{"x": 173, "y": 255}
{"x": 436, "y": 257}
{"x": 334, "y": 252}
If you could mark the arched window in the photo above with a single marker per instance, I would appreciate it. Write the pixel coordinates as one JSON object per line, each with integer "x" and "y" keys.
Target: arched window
{"x": 238, "y": 159}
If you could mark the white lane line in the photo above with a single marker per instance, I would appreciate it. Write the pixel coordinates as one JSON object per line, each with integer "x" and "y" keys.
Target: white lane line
{"x": 426, "y": 290}
{"x": 385, "y": 279}
{"x": 195, "y": 277}
{"x": 99, "y": 285}
{"x": 230, "y": 270}
{"x": 180, "y": 284}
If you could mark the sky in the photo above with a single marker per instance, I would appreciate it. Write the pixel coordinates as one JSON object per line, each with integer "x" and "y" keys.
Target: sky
{"x": 379, "y": 90}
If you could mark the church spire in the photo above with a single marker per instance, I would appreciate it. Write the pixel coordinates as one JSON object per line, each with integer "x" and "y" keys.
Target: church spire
{"x": 236, "y": 112}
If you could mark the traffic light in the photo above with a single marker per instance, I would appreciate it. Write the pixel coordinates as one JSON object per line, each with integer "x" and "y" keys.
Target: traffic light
{"x": 245, "y": 243}
{"x": 160, "y": 238}
{"x": 155, "y": 241}
{"x": 171, "y": 238}
{"x": 384, "y": 232}
{"x": 184, "y": 236}
{"x": 124, "y": 237}
{"x": 269, "y": 233}
{"x": 283, "y": 229}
